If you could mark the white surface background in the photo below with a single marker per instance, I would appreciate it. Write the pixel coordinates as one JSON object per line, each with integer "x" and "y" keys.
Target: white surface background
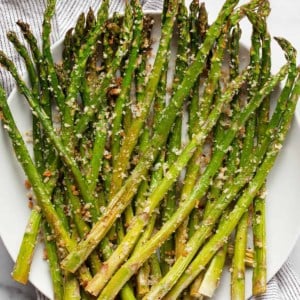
{"x": 284, "y": 21}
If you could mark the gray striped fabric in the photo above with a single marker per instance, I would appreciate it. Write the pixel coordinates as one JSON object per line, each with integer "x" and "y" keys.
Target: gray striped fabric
{"x": 285, "y": 285}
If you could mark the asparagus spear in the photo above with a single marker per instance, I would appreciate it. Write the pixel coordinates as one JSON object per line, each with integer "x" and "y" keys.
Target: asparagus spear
{"x": 21, "y": 270}
{"x": 128, "y": 22}
{"x": 38, "y": 61}
{"x": 210, "y": 278}
{"x": 249, "y": 257}
{"x": 21, "y": 49}
{"x": 44, "y": 90}
{"x": 259, "y": 222}
{"x": 52, "y": 257}
{"x": 47, "y": 56}
{"x": 92, "y": 108}
{"x": 238, "y": 262}
{"x": 143, "y": 276}
{"x": 158, "y": 105}
{"x": 26, "y": 251}
{"x": 212, "y": 275}
{"x": 79, "y": 31}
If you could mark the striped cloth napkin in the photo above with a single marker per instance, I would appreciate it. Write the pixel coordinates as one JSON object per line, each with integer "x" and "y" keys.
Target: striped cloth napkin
{"x": 285, "y": 285}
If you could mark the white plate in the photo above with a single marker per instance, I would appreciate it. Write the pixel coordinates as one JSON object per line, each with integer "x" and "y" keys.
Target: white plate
{"x": 283, "y": 222}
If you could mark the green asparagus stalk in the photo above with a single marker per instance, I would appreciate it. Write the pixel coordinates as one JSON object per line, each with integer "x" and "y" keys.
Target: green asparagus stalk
{"x": 202, "y": 21}
{"x": 143, "y": 275}
{"x": 50, "y": 247}
{"x": 47, "y": 75}
{"x": 110, "y": 39}
{"x": 80, "y": 221}
{"x": 209, "y": 279}
{"x": 52, "y": 257}
{"x": 259, "y": 277}
{"x": 157, "y": 173}
{"x": 158, "y": 170}
{"x": 142, "y": 279}
{"x": 72, "y": 42}
{"x": 156, "y": 176}
{"x": 95, "y": 163}
{"x": 68, "y": 60}
{"x": 213, "y": 273}
{"x": 71, "y": 288}
{"x": 238, "y": 260}
{"x": 21, "y": 270}
{"x": 249, "y": 257}
{"x": 37, "y": 58}
{"x": 44, "y": 94}
{"x": 194, "y": 27}
{"x": 79, "y": 32}
{"x": 259, "y": 221}
{"x": 155, "y": 269}
{"x": 209, "y": 283}
{"x": 21, "y": 49}
{"x": 48, "y": 59}
{"x": 169, "y": 206}
{"x": 93, "y": 143}
{"x": 216, "y": 265}
{"x": 127, "y": 32}
{"x": 126, "y": 292}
